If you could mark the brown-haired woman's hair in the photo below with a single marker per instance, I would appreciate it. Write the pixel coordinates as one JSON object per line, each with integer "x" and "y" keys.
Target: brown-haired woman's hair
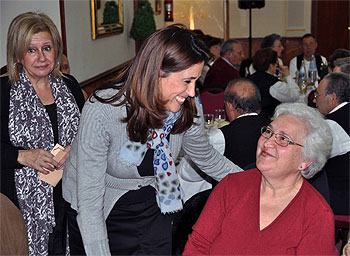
{"x": 19, "y": 36}
{"x": 263, "y": 58}
{"x": 168, "y": 50}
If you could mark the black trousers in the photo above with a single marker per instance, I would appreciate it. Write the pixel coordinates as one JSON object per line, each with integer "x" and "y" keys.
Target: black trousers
{"x": 57, "y": 239}
{"x": 133, "y": 229}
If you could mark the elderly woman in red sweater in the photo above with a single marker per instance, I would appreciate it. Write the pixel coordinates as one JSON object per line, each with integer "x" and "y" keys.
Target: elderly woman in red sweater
{"x": 272, "y": 209}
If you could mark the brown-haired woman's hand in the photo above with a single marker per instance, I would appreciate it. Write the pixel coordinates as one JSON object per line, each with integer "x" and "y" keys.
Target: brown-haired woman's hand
{"x": 38, "y": 159}
{"x": 62, "y": 162}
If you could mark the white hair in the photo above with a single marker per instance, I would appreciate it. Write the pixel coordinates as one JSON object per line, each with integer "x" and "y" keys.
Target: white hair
{"x": 318, "y": 140}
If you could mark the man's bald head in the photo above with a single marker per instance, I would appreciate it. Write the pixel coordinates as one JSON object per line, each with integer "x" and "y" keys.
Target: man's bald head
{"x": 242, "y": 96}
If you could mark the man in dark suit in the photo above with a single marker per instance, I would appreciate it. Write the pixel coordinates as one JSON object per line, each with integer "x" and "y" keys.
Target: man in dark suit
{"x": 225, "y": 68}
{"x": 332, "y": 100}
{"x": 243, "y": 105}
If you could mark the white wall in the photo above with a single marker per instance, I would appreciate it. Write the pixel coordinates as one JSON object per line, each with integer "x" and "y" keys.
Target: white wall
{"x": 11, "y": 8}
{"x": 88, "y": 57}
{"x": 267, "y": 20}
{"x": 284, "y": 17}
{"x": 159, "y": 18}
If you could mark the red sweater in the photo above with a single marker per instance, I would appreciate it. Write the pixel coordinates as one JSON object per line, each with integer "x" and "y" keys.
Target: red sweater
{"x": 220, "y": 74}
{"x": 229, "y": 223}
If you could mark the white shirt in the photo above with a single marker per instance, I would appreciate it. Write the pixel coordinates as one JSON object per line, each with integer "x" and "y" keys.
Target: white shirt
{"x": 217, "y": 138}
{"x": 293, "y": 66}
{"x": 285, "y": 92}
{"x": 228, "y": 62}
{"x": 191, "y": 182}
{"x": 252, "y": 70}
{"x": 341, "y": 139}
{"x": 205, "y": 70}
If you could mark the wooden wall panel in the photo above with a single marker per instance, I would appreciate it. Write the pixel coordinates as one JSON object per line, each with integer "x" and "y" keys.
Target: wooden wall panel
{"x": 291, "y": 47}
{"x": 330, "y": 22}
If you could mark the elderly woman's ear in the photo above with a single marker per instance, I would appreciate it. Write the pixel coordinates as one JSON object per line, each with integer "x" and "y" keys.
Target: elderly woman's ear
{"x": 305, "y": 164}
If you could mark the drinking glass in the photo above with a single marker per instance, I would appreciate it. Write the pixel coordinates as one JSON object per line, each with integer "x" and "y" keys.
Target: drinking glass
{"x": 312, "y": 77}
{"x": 220, "y": 117}
{"x": 208, "y": 121}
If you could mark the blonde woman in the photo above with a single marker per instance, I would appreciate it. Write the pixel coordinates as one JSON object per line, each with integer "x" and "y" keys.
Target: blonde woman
{"x": 39, "y": 108}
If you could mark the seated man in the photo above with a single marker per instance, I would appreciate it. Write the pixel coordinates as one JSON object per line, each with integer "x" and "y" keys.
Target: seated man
{"x": 225, "y": 68}
{"x": 64, "y": 65}
{"x": 342, "y": 65}
{"x": 332, "y": 100}
{"x": 240, "y": 137}
{"x": 309, "y": 45}
{"x": 339, "y": 53}
{"x": 213, "y": 44}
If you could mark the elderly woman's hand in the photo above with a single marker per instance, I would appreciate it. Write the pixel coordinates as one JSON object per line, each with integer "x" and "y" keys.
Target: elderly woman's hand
{"x": 38, "y": 159}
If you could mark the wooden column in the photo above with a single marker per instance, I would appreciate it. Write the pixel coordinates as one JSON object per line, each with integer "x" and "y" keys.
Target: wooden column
{"x": 63, "y": 26}
{"x": 226, "y": 19}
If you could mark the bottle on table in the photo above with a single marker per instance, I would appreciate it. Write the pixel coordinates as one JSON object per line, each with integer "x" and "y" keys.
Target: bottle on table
{"x": 312, "y": 73}
{"x": 302, "y": 80}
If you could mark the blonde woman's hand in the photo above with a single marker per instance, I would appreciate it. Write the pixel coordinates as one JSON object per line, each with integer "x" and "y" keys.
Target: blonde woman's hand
{"x": 38, "y": 159}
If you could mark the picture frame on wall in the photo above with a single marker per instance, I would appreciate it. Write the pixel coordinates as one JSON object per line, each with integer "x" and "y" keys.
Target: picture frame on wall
{"x": 158, "y": 7}
{"x": 108, "y": 19}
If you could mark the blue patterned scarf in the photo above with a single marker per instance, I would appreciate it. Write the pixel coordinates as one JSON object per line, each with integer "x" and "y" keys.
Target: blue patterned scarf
{"x": 167, "y": 183}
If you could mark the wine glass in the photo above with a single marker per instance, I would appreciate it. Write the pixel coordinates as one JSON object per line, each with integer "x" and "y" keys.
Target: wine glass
{"x": 219, "y": 117}
{"x": 208, "y": 121}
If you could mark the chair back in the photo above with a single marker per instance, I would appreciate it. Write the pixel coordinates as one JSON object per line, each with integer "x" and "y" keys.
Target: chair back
{"x": 212, "y": 99}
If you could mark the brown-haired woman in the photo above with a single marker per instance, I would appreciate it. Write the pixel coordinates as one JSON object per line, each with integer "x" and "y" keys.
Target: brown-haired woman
{"x": 121, "y": 179}
{"x": 273, "y": 91}
{"x": 39, "y": 108}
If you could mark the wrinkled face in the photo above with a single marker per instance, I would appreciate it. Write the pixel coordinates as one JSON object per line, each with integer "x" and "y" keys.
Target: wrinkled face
{"x": 309, "y": 46}
{"x": 39, "y": 60}
{"x": 65, "y": 68}
{"x": 278, "y": 161}
{"x": 215, "y": 50}
{"x": 176, "y": 87}
{"x": 322, "y": 101}
{"x": 278, "y": 47}
{"x": 236, "y": 56}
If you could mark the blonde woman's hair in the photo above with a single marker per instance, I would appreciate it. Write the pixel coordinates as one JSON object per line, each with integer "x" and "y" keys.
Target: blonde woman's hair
{"x": 20, "y": 33}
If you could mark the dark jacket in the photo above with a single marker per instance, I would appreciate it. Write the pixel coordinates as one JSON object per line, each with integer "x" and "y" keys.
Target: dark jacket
{"x": 338, "y": 168}
{"x": 241, "y": 139}
{"x": 264, "y": 81}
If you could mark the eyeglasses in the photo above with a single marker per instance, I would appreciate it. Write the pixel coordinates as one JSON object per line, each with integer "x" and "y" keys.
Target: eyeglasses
{"x": 316, "y": 95}
{"x": 280, "y": 139}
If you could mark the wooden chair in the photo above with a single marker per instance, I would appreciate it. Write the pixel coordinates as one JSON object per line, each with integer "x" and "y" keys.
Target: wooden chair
{"x": 212, "y": 99}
